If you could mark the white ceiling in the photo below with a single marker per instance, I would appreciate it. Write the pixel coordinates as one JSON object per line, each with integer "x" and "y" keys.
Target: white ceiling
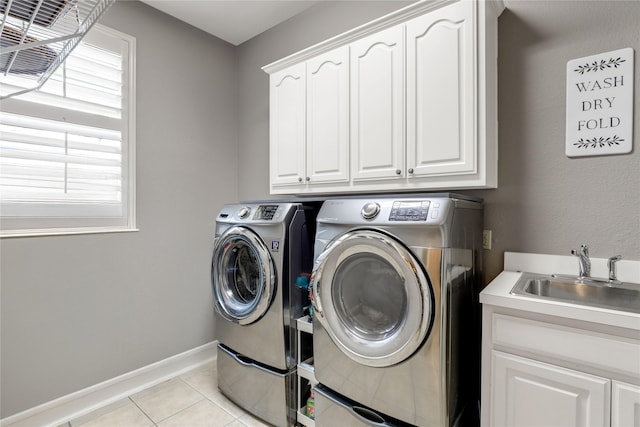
{"x": 234, "y": 21}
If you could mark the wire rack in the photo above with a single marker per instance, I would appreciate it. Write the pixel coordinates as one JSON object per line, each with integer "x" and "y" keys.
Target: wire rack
{"x": 36, "y": 36}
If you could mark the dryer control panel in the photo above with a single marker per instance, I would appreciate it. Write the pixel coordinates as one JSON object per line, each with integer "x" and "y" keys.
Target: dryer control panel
{"x": 409, "y": 210}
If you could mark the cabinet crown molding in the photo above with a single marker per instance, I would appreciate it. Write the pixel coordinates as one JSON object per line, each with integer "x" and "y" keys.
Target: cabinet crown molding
{"x": 494, "y": 8}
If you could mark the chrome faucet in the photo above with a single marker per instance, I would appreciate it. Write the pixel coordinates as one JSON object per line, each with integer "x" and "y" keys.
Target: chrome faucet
{"x": 611, "y": 264}
{"x": 583, "y": 260}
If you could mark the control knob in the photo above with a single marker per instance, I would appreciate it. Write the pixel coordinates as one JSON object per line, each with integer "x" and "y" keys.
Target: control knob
{"x": 370, "y": 210}
{"x": 244, "y": 212}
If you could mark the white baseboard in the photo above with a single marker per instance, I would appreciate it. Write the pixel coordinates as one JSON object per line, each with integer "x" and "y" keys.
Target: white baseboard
{"x": 82, "y": 402}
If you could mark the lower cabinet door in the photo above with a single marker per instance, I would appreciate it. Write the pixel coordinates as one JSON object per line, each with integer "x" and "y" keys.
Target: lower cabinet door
{"x": 625, "y": 411}
{"x": 528, "y": 393}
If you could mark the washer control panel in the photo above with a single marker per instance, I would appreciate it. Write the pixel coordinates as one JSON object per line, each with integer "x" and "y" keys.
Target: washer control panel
{"x": 409, "y": 210}
{"x": 265, "y": 212}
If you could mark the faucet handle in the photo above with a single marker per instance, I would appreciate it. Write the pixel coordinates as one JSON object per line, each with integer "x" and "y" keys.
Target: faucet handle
{"x": 584, "y": 261}
{"x": 611, "y": 264}
{"x": 584, "y": 250}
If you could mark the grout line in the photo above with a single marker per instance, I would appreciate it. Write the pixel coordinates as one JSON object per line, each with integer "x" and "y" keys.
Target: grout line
{"x": 208, "y": 398}
{"x": 235, "y": 417}
{"x": 142, "y": 410}
{"x": 177, "y": 377}
{"x": 179, "y": 412}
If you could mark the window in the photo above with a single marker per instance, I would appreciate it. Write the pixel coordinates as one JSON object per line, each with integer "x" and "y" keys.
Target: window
{"x": 67, "y": 150}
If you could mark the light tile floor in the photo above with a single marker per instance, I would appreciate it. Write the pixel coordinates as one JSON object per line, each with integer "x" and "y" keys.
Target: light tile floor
{"x": 188, "y": 400}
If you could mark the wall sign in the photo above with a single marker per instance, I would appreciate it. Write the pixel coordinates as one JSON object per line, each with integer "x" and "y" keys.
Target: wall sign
{"x": 600, "y": 104}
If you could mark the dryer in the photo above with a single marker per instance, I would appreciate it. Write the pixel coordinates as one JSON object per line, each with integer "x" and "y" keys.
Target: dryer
{"x": 259, "y": 251}
{"x": 396, "y": 318}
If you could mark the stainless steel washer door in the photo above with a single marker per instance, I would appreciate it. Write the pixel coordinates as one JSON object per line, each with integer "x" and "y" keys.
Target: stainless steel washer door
{"x": 373, "y": 297}
{"x": 243, "y": 276}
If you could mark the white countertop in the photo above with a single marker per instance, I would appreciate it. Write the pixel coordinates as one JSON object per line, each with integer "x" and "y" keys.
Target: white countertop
{"x": 497, "y": 293}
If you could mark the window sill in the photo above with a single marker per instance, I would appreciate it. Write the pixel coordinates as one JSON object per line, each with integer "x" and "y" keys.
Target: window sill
{"x": 6, "y": 234}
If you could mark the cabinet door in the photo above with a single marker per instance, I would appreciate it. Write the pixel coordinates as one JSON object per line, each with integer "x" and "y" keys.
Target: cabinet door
{"x": 328, "y": 117}
{"x": 377, "y": 105}
{"x": 527, "y": 393}
{"x": 287, "y": 126}
{"x": 625, "y": 405}
{"x": 441, "y": 109}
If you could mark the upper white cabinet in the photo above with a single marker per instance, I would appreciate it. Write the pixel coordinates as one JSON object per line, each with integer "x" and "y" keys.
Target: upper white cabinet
{"x": 377, "y": 105}
{"x": 328, "y": 117}
{"x": 440, "y": 79}
{"x": 287, "y": 104}
{"x": 406, "y": 102}
{"x": 309, "y": 122}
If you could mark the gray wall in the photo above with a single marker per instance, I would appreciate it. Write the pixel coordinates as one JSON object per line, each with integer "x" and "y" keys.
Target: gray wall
{"x": 546, "y": 202}
{"x": 77, "y": 310}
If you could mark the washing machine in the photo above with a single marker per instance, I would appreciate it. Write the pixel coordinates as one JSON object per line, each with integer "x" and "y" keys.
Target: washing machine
{"x": 396, "y": 315}
{"x": 260, "y": 250}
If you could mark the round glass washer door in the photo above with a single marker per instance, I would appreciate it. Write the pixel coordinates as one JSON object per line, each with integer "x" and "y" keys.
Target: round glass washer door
{"x": 243, "y": 276}
{"x": 373, "y": 298}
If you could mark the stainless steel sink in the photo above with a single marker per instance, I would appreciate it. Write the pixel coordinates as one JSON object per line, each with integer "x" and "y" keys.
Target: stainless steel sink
{"x": 591, "y": 292}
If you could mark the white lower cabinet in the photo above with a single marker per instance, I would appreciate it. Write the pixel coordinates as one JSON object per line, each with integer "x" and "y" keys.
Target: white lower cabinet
{"x": 554, "y": 372}
{"x": 625, "y": 405}
{"x": 527, "y": 393}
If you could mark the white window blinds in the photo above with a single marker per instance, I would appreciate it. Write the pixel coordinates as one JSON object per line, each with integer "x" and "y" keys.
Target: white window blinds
{"x": 67, "y": 149}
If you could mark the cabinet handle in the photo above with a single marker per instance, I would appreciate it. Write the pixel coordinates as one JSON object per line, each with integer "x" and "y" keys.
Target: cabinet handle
{"x": 398, "y": 171}
{"x": 299, "y": 179}
{"x": 308, "y": 179}
{"x": 411, "y": 170}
